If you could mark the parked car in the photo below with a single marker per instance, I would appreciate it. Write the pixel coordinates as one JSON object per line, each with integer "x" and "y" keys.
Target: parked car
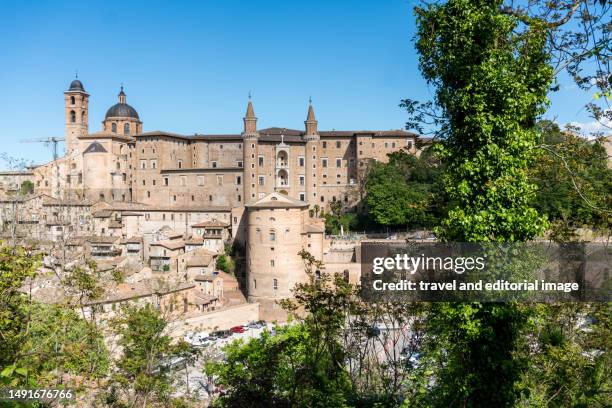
{"x": 237, "y": 329}
{"x": 221, "y": 334}
{"x": 197, "y": 339}
{"x": 257, "y": 324}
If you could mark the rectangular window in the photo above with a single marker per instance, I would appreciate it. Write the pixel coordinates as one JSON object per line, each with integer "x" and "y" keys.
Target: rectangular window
{"x": 302, "y": 180}
{"x": 183, "y": 181}
{"x": 338, "y": 162}
{"x": 219, "y": 180}
{"x": 324, "y": 163}
{"x": 261, "y": 160}
{"x": 143, "y": 164}
{"x": 262, "y": 180}
{"x": 153, "y": 164}
{"x": 238, "y": 180}
{"x": 240, "y": 164}
{"x": 166, "y": 181}
{"x": 275, "y": 284}
{"x": 302, "y": 196}
{"x": 180, "y": 164}
{"x": 338, "y": 144}
{"x": 351, "y": 162}
{"x": 200, "y": 180}
{"x": 214, "y": 165}
{"x": 324, "y": 145}
{"x": 301, "y": 161}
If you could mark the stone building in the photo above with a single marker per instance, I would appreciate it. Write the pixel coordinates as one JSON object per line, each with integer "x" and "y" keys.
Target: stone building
{"x": 254, "y": 188}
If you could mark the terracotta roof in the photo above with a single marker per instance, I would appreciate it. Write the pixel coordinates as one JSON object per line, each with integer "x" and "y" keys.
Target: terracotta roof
{"x": 169, "y": 232}
{"x": 202, "y": 299}
{"x": 194, "y": 241}
{"x": 172, "y": 245}
{"x": 50, "y": 201}
{"x": 212, "y": 224}
{"x": 273, "y": 134}
{"x": 132, "y": 240}
{"x": 199, "y": 261}
{"x": 148, "y": 287}
{"x": 277, "y": 200}
{"x": 106, "y": 135}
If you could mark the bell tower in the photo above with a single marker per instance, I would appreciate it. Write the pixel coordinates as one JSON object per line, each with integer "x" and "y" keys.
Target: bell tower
{"x": 76, "y": 107}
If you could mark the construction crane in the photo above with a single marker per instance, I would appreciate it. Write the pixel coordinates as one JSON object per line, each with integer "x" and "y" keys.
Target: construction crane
{"x": 50, "y": 142}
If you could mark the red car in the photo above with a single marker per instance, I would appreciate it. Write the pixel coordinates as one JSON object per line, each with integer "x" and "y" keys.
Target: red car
{"x": 237, "y": 329}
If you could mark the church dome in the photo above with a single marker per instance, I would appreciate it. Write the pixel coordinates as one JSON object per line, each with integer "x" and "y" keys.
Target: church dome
{"x": 76, "y": 85}
{"x": 121, "y": 110}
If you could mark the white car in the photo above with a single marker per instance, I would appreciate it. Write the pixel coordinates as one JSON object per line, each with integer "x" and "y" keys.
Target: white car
{"x": 197, "y": 339}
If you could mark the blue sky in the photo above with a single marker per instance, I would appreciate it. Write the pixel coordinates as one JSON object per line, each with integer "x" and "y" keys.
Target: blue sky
{"x": 188, "y": 66}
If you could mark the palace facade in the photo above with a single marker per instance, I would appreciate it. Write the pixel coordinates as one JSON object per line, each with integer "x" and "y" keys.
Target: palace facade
{"x": 262, "y": 187}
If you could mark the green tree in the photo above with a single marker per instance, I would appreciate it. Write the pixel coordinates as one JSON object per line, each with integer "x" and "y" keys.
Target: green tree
{"x": 60, "y": 342}
{"x": 16, "y": 266}
{"x": 302, "y": 365}
{"x": 574, "y": 183}
{"x": 406, "y": 191}
{"x": 143, "y": 371}
{"x": 491, "y": 75}
{"x": 225, "y": 263}
{"x": 26, "y": 188}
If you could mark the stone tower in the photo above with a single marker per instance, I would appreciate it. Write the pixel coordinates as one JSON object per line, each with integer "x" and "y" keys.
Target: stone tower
{"x": 250, "y": 153}
{"x": 76, "y": 102}
{"x": 275, "y": 235}
{"x": 311, "y": 136}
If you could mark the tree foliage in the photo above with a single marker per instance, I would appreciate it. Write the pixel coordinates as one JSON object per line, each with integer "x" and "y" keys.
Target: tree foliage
{"x": 142, "y": 376}
{"x": 406, "y": 191}
{"x": 574, "y": 183}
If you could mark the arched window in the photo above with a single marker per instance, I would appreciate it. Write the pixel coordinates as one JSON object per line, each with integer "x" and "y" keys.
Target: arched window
{"x": 72, "y": 100}
{"x": 282, "y": 159}
{"x": 72, "y": 116}
{"x": 114, "y": 127}
{"x": 317, "y": 274}
{"x": 126, "y": 128}
{"x": 283, "y": 178}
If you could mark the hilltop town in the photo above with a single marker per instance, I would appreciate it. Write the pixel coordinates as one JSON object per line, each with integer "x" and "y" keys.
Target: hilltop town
{"x": 208, "y": 227}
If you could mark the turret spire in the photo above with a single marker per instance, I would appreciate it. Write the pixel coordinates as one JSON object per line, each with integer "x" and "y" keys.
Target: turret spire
{"x": 250, "y": 121}
{"x": 311, "y": 121}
